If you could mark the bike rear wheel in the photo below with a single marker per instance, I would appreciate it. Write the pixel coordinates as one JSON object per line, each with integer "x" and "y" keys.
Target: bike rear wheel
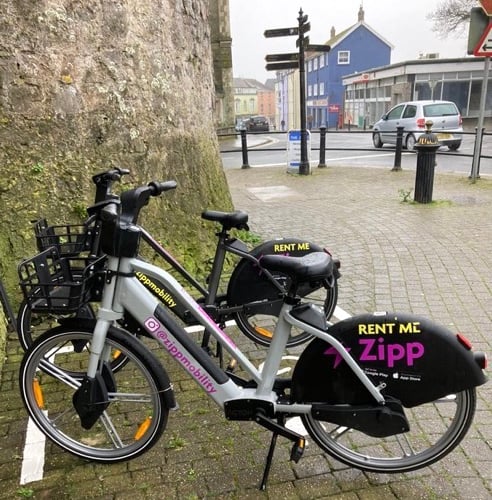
{"x": 31, "y": 324}
{"x": 259, "y": 326}
{"x": 133, "y": 398}
{"x": 436, "y": 428}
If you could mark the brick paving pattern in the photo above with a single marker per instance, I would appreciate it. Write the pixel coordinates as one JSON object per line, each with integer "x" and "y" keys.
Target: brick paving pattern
{"x": 434, "y": 260}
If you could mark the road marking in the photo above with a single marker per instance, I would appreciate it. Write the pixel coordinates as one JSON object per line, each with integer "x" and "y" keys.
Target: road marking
{"x": 33, "y": 456}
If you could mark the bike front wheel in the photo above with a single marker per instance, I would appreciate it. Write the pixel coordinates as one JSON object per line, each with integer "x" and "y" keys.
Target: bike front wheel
{"x": 132, "y": 400}
{"x": 436, "y": 428}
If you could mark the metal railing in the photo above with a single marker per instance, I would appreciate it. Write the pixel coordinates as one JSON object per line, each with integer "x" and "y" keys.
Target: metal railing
{"x": 323, "y": 132}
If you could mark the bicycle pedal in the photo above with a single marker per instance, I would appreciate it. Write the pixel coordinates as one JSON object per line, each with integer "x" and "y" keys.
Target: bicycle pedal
{"x": 297, "y": 450}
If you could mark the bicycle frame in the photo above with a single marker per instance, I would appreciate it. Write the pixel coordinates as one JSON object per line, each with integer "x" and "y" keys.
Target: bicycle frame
{"x": 209, "y": 294}
{"x": 124, "y": 292}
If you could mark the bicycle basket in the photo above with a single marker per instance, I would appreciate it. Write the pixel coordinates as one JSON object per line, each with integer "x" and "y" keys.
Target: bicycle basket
{"x": 69, "y": 240}
{"x": 60, "y": 284}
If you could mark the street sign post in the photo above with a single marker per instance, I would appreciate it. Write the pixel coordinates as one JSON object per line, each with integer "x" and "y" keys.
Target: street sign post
{"x": 278, "y": 62}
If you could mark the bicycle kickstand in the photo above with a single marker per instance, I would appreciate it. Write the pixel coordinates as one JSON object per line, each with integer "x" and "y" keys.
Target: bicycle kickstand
{"x": 279, "y": 428}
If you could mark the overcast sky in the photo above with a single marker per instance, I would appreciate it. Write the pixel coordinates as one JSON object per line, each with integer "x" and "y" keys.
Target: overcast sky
{"x": 402, "y": 23}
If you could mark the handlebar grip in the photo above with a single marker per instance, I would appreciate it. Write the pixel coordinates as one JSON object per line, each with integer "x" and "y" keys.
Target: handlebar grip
{"x": 158, "y": 188}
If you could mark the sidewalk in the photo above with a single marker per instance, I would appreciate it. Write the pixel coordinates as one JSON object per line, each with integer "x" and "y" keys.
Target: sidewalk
{"x": 434, "y": 260}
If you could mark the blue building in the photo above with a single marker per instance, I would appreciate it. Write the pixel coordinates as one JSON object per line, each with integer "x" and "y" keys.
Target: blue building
{"x": 352, "y": 51}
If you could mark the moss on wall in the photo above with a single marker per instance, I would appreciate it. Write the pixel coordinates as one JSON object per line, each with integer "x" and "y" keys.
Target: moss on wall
{"x": 85, "y": 86}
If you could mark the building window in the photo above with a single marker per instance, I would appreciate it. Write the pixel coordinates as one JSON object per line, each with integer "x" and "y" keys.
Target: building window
{"x": 310, "y": 90}
{"x": 321, "y": 88}
{"x": 326, "y": 55}
{"x": 315, "y": 63}
{"x": 321, "y": 61}
{"x": 237, "y": 105}
{"x": 344, "y": 57}
{"x": 310, "y": 65}
{"x": 315, "y": 89}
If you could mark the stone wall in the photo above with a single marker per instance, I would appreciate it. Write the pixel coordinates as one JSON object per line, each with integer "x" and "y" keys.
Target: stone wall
{"x": 85, "y": 85}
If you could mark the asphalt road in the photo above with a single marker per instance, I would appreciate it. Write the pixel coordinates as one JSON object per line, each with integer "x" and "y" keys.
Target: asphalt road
{"x": 351, "y": 149}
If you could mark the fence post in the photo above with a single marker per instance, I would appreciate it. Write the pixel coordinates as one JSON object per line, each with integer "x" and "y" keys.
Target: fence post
{"x": 399, "y": 147}
{"x": 322, "y": 146}
{"x": 477, "y": 152}
{"x": 244, "y": 149}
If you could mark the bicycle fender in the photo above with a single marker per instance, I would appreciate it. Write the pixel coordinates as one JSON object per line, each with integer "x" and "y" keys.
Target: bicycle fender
{"x": 248, "y": 283}
{"x": 412, "y": 358}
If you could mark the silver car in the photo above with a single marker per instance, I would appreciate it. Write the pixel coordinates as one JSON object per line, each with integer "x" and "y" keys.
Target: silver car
{"x": 446, "y": 119}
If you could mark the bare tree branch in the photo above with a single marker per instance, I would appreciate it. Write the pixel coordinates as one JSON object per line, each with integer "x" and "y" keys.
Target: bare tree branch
{"x": 451, "y": 16}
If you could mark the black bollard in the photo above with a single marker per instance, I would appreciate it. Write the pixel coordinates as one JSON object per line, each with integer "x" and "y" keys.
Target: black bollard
{"x": 322, "y": 147}
{"x": 399, "y": 147}
{"x": 426, "y": 147}
{"x": 244, "y": 148}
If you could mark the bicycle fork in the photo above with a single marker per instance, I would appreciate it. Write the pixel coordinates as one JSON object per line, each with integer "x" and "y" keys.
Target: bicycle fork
{"x": 91, "y": 398}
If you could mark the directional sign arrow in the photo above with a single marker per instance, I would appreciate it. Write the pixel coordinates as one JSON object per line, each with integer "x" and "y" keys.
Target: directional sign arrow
{"x": 281, "y": 32}
{"x": 305, "y": 27}
{"x": 281, "y": 65}
{"x": 318, "y": 48}
{"x": 305, "y": 42}
{"x": 484, "y": 46}
{"x": 292, "y": 56}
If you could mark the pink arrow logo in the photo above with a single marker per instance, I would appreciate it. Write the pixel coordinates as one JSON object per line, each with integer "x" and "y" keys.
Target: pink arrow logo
{"x": 337, "y": 356}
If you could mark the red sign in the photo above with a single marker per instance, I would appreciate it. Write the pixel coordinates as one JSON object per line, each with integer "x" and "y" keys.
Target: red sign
{"x": 334, "y": 108}
{"x": 487, "y": 6}
{"x": 484, "y": 46}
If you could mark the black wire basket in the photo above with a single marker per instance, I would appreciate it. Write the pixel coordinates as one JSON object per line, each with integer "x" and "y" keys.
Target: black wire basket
{"x": 69, "y": 239}
{"x": 56, "y": 284}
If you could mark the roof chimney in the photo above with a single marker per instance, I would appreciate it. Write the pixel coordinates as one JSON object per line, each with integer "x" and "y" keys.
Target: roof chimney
{"x": 360, "y": 15}
{"x": 332, "y": 32}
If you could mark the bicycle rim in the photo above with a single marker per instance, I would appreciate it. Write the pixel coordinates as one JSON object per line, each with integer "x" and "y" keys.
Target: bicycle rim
{"x": 260, "y": 327}
{"x": 136, "y": 413}
{"x": 436, "y": 428}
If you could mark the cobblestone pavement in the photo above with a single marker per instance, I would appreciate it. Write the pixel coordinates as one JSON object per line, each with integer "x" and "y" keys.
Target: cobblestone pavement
{"x": 433, "y": 259}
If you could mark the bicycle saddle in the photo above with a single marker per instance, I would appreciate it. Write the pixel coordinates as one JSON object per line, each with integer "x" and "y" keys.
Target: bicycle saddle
{"x": 310, "y": 267}
{"x": 229, "y": 220}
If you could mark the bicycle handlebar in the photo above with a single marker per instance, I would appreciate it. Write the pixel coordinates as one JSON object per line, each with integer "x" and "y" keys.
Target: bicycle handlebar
{"x": 104, "y": 181}
{"x": 133, "y": 200}
{"x": 119, "y": 236}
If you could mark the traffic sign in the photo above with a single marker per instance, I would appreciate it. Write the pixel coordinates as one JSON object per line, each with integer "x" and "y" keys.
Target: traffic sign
{"x": 278, "y": 66}
{"x": 484, "y": 46}
{"x": 292, "y": 56}
{"x": 318, "y": 48}
{"x": 487, "y": 6}
{"x": 478, "y": 24}
{"x": 281, "y": 32}
{"x": 305, "y": 27}
{"x": 305, "y": 42}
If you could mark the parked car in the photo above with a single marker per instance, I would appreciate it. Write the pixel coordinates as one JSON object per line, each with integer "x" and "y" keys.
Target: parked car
{"x": 447, "y": 123}
{"x": 257, "y": 124}
{"x": 240, "y": 125}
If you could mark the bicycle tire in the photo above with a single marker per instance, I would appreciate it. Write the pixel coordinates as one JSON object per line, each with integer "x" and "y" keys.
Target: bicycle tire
{"x": 436, "y": 428}
{"x": 260, "y": 327}
{"x": 31, "y": 324}
{"x": 137, "y": 394}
